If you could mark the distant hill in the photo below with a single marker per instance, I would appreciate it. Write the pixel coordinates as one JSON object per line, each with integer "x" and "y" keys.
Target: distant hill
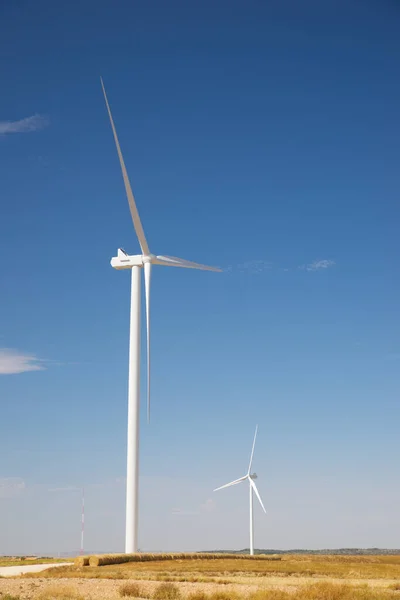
{"x": 336, "y": 551}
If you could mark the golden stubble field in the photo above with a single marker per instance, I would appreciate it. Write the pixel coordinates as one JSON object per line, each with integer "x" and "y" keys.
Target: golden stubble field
{"x": 294, "y": 577}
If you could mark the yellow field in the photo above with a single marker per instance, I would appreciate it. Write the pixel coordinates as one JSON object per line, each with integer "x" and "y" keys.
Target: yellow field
{"x": 294, "y": 577}
{"x": 341, "y": 567}
{"x": 12, "y": 561}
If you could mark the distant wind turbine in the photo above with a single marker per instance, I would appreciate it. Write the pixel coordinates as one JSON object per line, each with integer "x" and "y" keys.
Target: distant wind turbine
{"x": 83, "y": 521}
{"x": 144, "y": 260}
{"x": 250, "y": 477}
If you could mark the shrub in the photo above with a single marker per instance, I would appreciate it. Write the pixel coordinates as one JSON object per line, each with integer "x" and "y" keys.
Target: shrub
{"x": 271, "y": 595}
{"x": 9, "y": 597}
{"x": 324, "y": 591}
{"x": 131, "y": 589}
{"x": 395, "y": 587}
{"x": 198, "y": 596}
{"x": 167, "y": 591}
{"x": 224, "y": 596}
{"x": 59, "y": 592}
{"x": 332, "y": 591}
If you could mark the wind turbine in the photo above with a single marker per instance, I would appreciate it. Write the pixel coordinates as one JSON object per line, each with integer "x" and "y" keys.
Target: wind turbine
{"x": 144, "y": 260}
{"x": 250, "y": 477}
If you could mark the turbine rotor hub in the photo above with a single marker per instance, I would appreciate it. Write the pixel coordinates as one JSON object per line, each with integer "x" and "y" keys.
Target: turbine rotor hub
{"x": 148, "y": 258}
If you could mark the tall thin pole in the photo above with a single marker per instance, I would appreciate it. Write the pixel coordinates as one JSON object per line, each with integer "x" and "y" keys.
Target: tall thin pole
{"x": 132, "y": 475}
{"x": 251, "y": 521}
{"x": 83, "y": 520}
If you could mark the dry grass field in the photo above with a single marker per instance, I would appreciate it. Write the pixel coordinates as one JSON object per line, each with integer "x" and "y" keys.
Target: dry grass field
{"x": 294, "y": 577}
{"x": 15, "y": 561}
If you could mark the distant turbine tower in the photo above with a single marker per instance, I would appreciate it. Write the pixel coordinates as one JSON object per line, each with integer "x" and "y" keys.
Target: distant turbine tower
{"x": 83, "y": 520}
{"x": 252, "y": 486}
{"x": 144, "y": 260}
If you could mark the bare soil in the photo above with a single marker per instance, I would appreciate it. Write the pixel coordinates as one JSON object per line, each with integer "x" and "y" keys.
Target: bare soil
{"x": 106, "y": 589}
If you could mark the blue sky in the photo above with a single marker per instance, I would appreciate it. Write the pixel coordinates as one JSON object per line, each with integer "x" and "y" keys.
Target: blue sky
{"x": 259, "y": 136}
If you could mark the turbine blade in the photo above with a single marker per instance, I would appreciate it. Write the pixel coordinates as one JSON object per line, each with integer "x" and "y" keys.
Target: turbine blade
{"x": 253, "y": 485}
{"x": 147, "y": 281}
{"x": 231, "y": 483}
{"x": 252, "y": 450}
{"x": 172, "y": 261}
{"x": 131, "y": 200}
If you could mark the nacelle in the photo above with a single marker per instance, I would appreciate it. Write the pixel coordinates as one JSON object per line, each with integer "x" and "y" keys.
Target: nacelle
{"x": 126, "y": 261}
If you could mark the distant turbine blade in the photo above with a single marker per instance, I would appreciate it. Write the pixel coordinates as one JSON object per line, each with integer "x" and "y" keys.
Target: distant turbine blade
{"x": 253, "y": 485}
{"x": 231, "y": 483}
{"x": 173, "y": 261}
{"x": 252, "y": 450}
{"x": 132, "y": 204}
{"x": 147, "y": 281}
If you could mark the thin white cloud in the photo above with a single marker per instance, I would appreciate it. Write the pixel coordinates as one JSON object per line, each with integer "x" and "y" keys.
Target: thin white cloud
{"x": 208, "y": 506}
{"x": 13, "y": 362}
{"x": 253, "y": 267}
{"x": 68, "y": 488}
{"x": 180, "y": 512}
{"x": 33, "y": 123}
{"x": 318, "y": 265}
{"x": 259, "y": 266}
{"x": 11, "y": 487}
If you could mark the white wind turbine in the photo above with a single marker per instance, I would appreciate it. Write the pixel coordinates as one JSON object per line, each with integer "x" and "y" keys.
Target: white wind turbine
{"x": 144, "y": 260}
{"x": 250, "y": 477}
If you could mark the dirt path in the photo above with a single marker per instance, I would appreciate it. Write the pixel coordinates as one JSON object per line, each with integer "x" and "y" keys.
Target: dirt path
{"x": 21, "y": 570}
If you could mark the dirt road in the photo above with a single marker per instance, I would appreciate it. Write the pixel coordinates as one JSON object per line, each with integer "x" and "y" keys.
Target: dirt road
{"x": 14, "y": 571}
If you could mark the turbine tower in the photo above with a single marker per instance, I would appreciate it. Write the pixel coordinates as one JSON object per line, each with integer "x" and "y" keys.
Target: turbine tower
{"x": 135, "y": 263}
{"x": 250, "y": 477}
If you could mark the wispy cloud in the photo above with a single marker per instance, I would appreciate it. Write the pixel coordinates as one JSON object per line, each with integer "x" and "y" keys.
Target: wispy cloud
{"x": 253, "y": 267}
{"x": 11, "y": 487}
{"x": 33, "y": 123}
{"x": 13, "y": 362}
{"x": 318, "y": 265}
{"x": 259, "y": 266}
{"x": 67, "y": 488}
{"x": 181, "y": 512}
{"x": 208, "y": 506}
